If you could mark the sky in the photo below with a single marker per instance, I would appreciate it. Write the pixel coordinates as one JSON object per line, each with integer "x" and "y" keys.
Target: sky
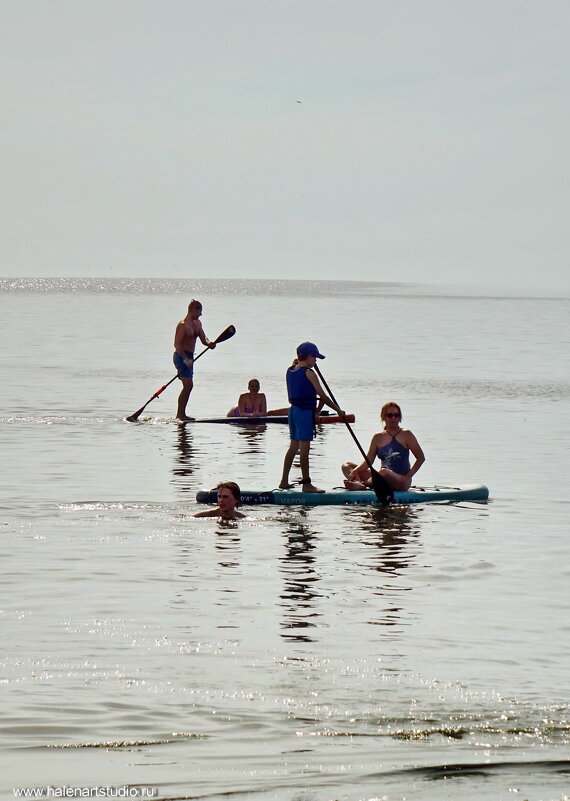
{"x": 367, "y": 140}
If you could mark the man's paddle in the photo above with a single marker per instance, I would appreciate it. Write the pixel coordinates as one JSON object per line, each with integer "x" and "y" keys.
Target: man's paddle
{"x": 383, "y": 490}
{"x": 229, "y": 332}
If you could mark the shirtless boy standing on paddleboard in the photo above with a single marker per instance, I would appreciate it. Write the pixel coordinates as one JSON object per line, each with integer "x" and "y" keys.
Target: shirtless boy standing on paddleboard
{"x": 188, "y": 331}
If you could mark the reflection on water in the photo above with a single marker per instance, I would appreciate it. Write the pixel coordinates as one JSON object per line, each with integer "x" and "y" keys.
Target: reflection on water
{"x": 391, "y": 537}
{"x": 393, "y": 534}
{"x": 299, "y": 578}
{"x": 184, "y": 466}
{"x": 253, "y": 439}
{"x": 228, "y": 543}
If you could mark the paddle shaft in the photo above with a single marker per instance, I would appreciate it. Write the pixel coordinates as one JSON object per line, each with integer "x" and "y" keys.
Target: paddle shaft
{"x": 382, "y": 489}
{"x": 347, "y": 424}
{"x": 229, "y": 332}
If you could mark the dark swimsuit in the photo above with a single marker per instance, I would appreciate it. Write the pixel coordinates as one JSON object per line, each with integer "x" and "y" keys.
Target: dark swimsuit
{"x": 395, "y": 456}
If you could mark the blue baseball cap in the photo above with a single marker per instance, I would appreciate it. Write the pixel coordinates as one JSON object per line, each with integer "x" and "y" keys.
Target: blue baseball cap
{"x": 308, "y": 349}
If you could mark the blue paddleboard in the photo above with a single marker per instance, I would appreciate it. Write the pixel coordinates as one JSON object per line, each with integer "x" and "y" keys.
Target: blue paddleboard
{"x": 465, "y": 492}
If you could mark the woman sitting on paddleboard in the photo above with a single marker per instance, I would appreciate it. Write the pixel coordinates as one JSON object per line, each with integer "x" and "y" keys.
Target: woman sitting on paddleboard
{"x": 251, "y": 404}
{"x": 392, "y": 446}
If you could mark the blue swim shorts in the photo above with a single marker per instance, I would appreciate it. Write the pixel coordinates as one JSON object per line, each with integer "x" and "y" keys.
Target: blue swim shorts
{"x": 301, "y": 423}
{"x": 181, "y": 369}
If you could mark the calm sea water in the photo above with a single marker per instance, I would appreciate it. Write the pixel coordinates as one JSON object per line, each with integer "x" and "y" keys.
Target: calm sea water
{"x": 318, "y": 654}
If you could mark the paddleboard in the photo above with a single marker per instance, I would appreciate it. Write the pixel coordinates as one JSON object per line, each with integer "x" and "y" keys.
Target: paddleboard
{"x": 275, "y": 418}
{"x": 465, "y": 492}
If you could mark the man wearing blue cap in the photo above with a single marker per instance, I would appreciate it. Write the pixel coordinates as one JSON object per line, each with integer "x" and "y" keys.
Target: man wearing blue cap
{"x": 303, "y": 387}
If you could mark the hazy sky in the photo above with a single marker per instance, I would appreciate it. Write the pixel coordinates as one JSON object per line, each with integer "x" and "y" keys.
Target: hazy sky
{"x": 413, "y": 140}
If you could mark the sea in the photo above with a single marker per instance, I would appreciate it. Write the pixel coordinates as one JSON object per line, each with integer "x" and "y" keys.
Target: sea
{"x": 299, "y": 654}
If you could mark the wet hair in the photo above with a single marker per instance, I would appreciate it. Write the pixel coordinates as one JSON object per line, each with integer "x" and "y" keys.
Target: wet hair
{"x": 385, "y": 408}
{"x": 194, "y": 304}
{"x": 253, "y": 381}
{"x": 233, "y": 488}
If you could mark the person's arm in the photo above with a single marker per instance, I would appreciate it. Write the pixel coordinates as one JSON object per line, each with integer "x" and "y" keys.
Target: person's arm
{"x": 321, "y": 393}
{"x": 414, "y": 446}
{"x": 203, "y": 338}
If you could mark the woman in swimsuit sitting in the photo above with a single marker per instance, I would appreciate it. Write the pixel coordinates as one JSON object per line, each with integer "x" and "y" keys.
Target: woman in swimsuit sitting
{"x": 392, "y": 446}
{"x": 251, "y": 404}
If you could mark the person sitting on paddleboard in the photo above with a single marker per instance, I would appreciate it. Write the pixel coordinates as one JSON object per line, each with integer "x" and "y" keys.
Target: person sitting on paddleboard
{"x": 252, "y": 403}
{"x": 392, "y": 446}
{"x": 303, "y": 388}
{"x": 229, "y": 496}
{"x": 187, "y": 331}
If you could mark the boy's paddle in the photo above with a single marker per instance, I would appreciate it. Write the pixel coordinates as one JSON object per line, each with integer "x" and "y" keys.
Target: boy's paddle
{"x": 229, "y": 332}
{"x": 383, "y": 490}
